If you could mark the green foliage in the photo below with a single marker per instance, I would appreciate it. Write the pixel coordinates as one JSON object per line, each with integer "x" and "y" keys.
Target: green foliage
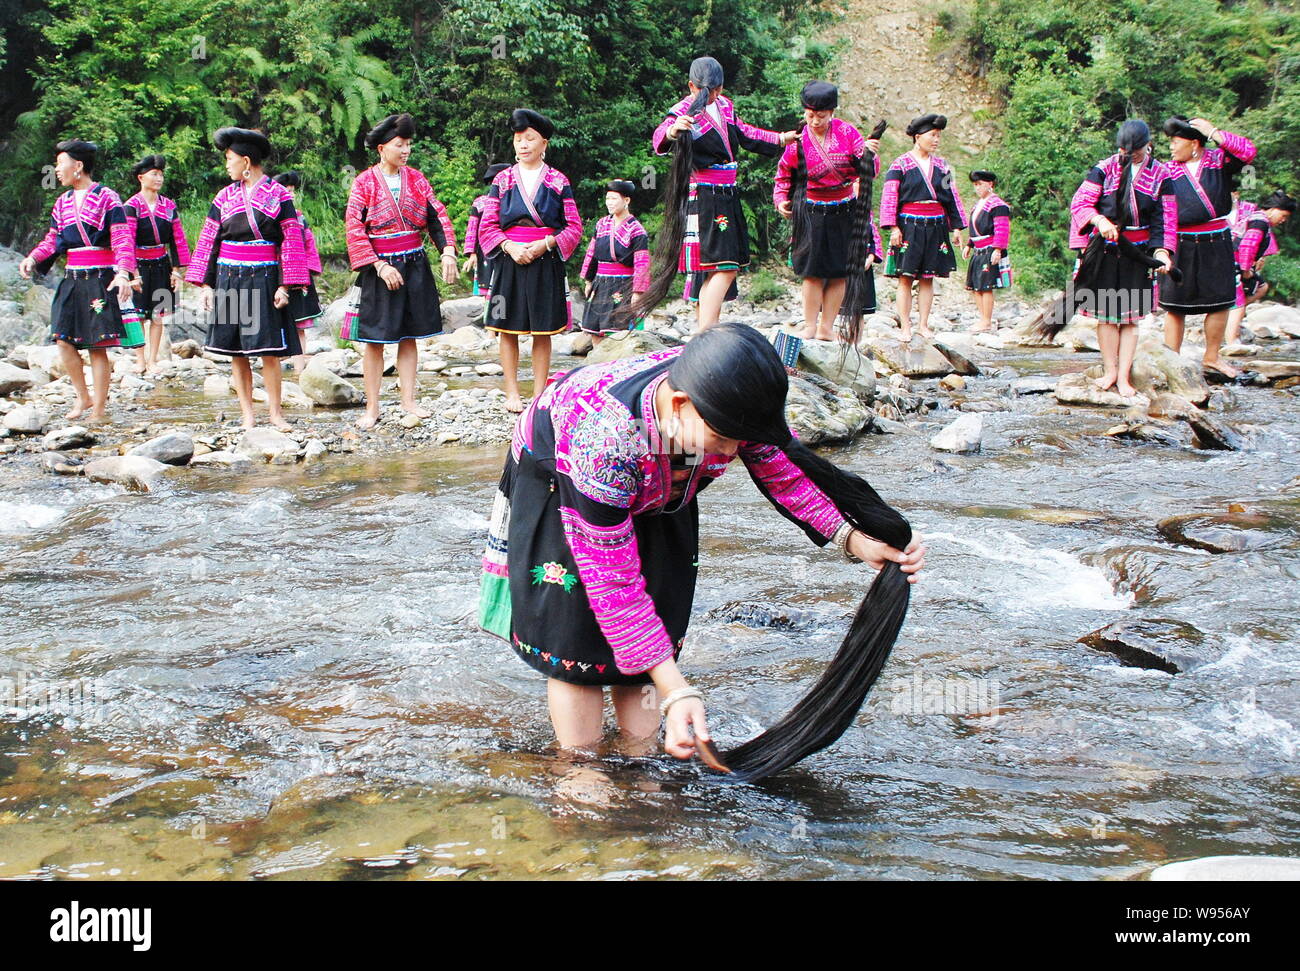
{"x": 1070, "y": 74}
{"x": 764, "y": 287}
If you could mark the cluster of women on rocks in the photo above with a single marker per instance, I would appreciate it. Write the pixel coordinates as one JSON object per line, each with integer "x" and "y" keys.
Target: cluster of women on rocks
{"x": 255, "y": 257}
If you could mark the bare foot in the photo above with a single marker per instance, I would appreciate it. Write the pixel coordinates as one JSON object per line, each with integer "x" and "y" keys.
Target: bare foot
{"x": 138, "y": 368}
{"x": 1125, "y": 390}
{"x": 367, "y": 421}
{"x": 905, "y": 336}
{"x": 981, "y": 329}
{"x": 926, "y": 332}
{"x": 1105, "y": 382}
{"x": 280, "y": 425}
{"x": 248, "y": 424}
{"x": 514, "y": 404}
{"x": 828, "y": 336}
{"x": 79, "y": 409}
{"x": 1227, "y": 370}
{"x": 417, "y": 411}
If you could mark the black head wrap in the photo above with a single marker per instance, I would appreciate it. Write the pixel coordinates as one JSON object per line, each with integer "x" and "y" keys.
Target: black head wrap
{"x": 1132, "y": 135}
{"x": 492, "y": 171}
{"x": 1279, "y": 200}
{"x": 932, "y": 122}
{"x": 148, "y": 164}
{"x": 706, "y": 73}
{"x": 820, "y": 96}
{"x": 288, "y": 178}
{"x": 1179, "y": 127}
{"x": 394, "y": 126}
{"x": 521, "y": 119}
{"x": 983, "y": 175}
{"x": 83, "y": 152}
{"x": 622, "y": 186}
{"x": 253, "y": 145}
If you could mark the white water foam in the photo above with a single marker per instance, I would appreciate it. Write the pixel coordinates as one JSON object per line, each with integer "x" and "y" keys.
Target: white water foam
{"x": 1035, "y": 577}
{"x": 18, "y": 517}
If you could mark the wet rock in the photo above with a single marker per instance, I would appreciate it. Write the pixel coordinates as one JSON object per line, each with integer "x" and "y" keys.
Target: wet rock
{"x": 1078, "y": 389}
{"x": 1275, "y": 317}
{"x": 1251, "y": 869}
{"x": 1214, "y": 433}
{"x": 1232, "y": 532}
{"x": 174, "y": 448}
{"x": 1156, "y": 368}
{"x": 1157, "y": 645}
{"x": 324, "y": 387}
{"x": 489, "y": 369}
{"x": 960, "y": 363}
{"x": 432, "y": 365}
{"x": 761, "y": 614}
{"x": 953, "y": 382}
{"x": 916, "y": 359}
{"x": 337, "y": 360}
{"x": 581, "y": 344}
{"x": 74, "y": 436}
{"x": 46, "y": 357}
{"x": 467, "y": 344}
{"x": 1276, "y": 371}
{"x": 1165, "y": 405}
{"x": 839, "y": 364}
{"x": 410, "y": 421}
{"x": 267, "y": 445}
{"x": 888, "y": 426}
{"x": 16, "y": 379}
{"x": 187, "y": 349}
{"x": 1034, "y": 384}
{"x": 819, "y": 410}
{"x": 136, "y": 472}
{"x": 961, "y": 436}
{"x": 61, "y": 464}
{"x": 462, "y": 312}
{"x": 216, "y": 386}
{"x": 29, "y": 419}
{"x": 632, "y": 343}
{"x": 292, "y": 396}
{"x": 314, "y": 451}
{"x": 1156, "y": 433}
{"x": 222, "y": 458}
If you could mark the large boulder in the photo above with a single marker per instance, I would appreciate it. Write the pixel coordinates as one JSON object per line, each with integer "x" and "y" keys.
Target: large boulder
{"x": 1283, "y": 319}
{"x": 73, "y": 436}
{"x": 632, "y": 343}
{"x": 840, "y": 364}
{"x": 463, "y": 312}
{"x": 961, "y": 436}
{"x": 1078, "y": 389}
{"x": 37, "y": 302}
{"x": 29, "y": 419}
{"x": 324, "y": 387}
{"x": 174, "y": 448}
{"x": 821, "y": 411}
{"x": 1156, "y": 368}
{"x": 267, "y": 445}
{"x": 1171, "y": 646}
{"x": 17, "y": 379}
{"x": 915, "y": 359}
{"x": 137, "y": 472}
{"x": 292, "y": 396}
{"x": 468, "y": 344}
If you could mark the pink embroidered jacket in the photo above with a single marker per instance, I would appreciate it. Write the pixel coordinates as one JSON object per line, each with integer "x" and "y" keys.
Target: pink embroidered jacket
{"x": 551, "y": 207}
{"x": 831, "y": 166}
{"x": 1256, "y": 242}
{"x": 714, "y": 145}
{"x": 157, "y": 227}
{"x": 626, "y": 245}
{"x": 1208, "y": 197}
{"x": 990, "y": 223}
{"x": 267, "y": 215}
{"x": 1147, "y": 214}
{"x": 101, "y": 222}
{"x": 610, "y": 468}
{"x": 909, "y": 192}
{"x": 471, "y": 227}
{"x": 372, "y": 211}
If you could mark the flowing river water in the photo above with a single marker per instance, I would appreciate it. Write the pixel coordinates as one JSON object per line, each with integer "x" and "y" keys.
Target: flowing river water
{"x": 276, "y": 674}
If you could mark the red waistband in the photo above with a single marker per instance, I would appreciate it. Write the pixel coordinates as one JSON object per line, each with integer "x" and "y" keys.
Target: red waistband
{"x": 397, "y": 243}
{"x": 836, "y": 194}
{"x": 1213, "y": 226}
{"x": 977, "y": 240}
{"x": 1137, "y": 235}
{"x": 613, "y": 269}
{"x": 150, "y": 252}
{"x": 922, "y": 209}
{"x": 714, "y": 176}
{"x": 527, "y": 234}
{"x": 237, "y": 252}
{"x": 90, "y": 258}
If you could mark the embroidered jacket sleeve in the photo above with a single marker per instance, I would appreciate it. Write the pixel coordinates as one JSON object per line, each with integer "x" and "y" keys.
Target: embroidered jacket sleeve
{"x": 598, "y": 472}
{"x": 180, "y": 246}
{"x": 471, "y": 227}
{"x": 1238, "y": 151}
{"x": 311, "y": 254}
{"x": 203, "y": 265}
{"x": 785, "y": 168}
{"x": 121, "y": 235}
{"x": 889, "y": 196}
{"x": 293, "y": 256}
{"x": 132, "y": 220}
{"x": 49, "y": 248}
{"x": 360, "y": 251}
{"x": 756, "y": 139}
{"x": 1163, "y": 226}
{"x": 490, "y": 233}
{"x": 793, "y": 494}
{"x": 569, "y": 238}
{"x": 589, "y": 261}
{"x": 1083, "y": 207}
{"x": 659, "y": 141}
{"x": 1248, "y": 251}
{"x": 1001, "y": 214}
{"x": 640, "y": 262}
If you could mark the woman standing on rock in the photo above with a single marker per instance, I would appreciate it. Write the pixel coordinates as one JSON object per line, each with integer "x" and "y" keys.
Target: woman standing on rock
{"x": 823, "y": 168}
{"x": 591, "y": 562}
{"x": 922, "y": 209}
{"x": 617, "y": 264}
{"x": 161, "y": 253}
{"x": 1202, "y": 180}
{"x": 477, "y": 261}
{"x": 1127, "y": 193}
{"x": 88, "y": 223}
{"x": 990, "y": 235}
{"x": 1258, "y": 242}
{"x": 390, "y": 208}
{"x": 304, "y": 304}
{"x": 704, "y": 224}
{"x": 249, "y": 254}
{"x": 531, "y": 218}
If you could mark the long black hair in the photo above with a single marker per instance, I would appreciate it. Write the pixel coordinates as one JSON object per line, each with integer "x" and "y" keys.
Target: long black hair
{"x": 855, "y": 286}
{"x": 737, "y": 383}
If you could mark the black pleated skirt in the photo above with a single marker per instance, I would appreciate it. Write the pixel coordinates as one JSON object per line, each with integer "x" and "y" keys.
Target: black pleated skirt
{"x": 304, "y": 308}
{"x": 982, "y": 274}
{"x": 926, "y": 251}
{"x": 410, "y": 312}
{"x": 607, "y": 295}
{"x": 1209, "y": 268}
{"x": 1114, "y": 290}
{"x": 829, "y": 231}
{"x": 85, "y": 313}
{"x": 245, "y": 321}
{"x": 156, "y": 298}
{"x": 529, "y": 298}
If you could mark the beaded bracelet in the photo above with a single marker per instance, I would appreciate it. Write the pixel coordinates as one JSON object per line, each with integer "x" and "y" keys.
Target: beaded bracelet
{"x": 677, "y": 696}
